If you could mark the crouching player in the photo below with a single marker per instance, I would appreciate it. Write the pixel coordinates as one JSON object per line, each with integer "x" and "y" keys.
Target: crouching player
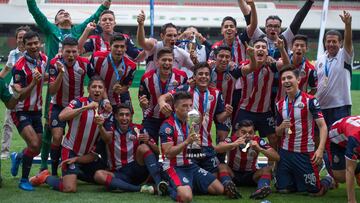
{"x": 296, "y": 115}
{"x": 184, "y": 176}
{"x": 345, "y": 149}
{"x": 130, "y": 157}
{"x": 80, "y": 140}
{"x": 243, "y": 149}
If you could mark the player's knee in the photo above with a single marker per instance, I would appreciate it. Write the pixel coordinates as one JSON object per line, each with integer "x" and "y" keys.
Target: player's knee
{"x": 339, "y": 176}
{"x": 69, "y": 189}
{"x": 100, "y": 177}
{"x": 143, "y": 148}
{"x": 266, "y": 170}
{"x": 35, "y": 146}
{"x": 216, "y": 188}
{"x": 184, "y": 194}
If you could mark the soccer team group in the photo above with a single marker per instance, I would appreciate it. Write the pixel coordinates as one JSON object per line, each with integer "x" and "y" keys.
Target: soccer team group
{"x": 249, "y": 81}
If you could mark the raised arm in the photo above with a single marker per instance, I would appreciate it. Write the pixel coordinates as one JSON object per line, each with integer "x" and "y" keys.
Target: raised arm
{"x": 284, "y": 55}
{"x": 69, "y": 113}
{"x": 300, "y": 16}
{"x": 82, "y": 40}
{"x": 40, "y": 19}
{"x": 144, "y": 43}
{"x": 253, "y": 20}
{"x": 55, "y": 81}
{"x": 348, "y": 45}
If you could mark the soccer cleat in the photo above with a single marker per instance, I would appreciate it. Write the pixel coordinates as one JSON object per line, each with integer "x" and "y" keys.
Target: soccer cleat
{"x": 231, "y": 190}
{"x": 261, "y": 193}
{"x": 15, "y": 163}
{"x": 40, "y": 178}
{"x": 357, "y": 177}
{"x": 25, "y": 185}
{"x": 147, "y": 189}
{"x": 162, "y": 188}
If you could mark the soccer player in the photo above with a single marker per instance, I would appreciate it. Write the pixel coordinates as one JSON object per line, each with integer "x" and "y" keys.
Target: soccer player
{"x": 85, "y": 125}
{"x": 130, "y": 156}
{"x": 345, "y": 149}
{"x": 241, "y": 160}
{"x": 153, "y": 84}
{"x": 184, "y": 175}
{"x": 13, "y": 57}
{"x": 116, "y": 69}
{"x": 168, "y": 35}
{"x": 29, "y": 73}
{"x": 297, "y": 113}
{"x": 67, "y": 73}
{"x": 97, "y": 38}
{"x": 308, "y": 73}
{"x": 54, "y": 35}
{"x": 334, "y": 73}
{"x": 255, "y": 102}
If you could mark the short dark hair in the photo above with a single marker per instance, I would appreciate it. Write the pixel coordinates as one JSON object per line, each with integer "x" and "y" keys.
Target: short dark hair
{"x": 165, "y": 26}
{"x": 197, "y": 66}
{"x": 181, "y": 95}
{"x": 117, "y": 37}
{"x": 273, "y": 17}
{"x": 163, "y": 51}
{"x": 107, "y": 12}
{"x": 29, "y": 35}
{"x": 291, "y": 68}
{"x": 245, "y": 123}
{"x": 333, "y": 32}
{"x": 230, "y": 19}
{"x": 259, "y": 40}
{"x": 21, "y": 28}
{"x": 122, "y": 106}
{"x": 95, "y": 78}
{"x": 222, "y": 47}
{"x": 300, "y": 37}
{"x": 70, "y": 41}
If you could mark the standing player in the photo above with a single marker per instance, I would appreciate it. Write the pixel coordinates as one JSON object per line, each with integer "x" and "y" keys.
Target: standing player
{"x": 67, "y": 73}
{"x": 256, "y": 95}
{"x": 184, "y": 175}
{"x": 242, "y": 164}
{"x": 54, "y": 35}
{"x": 345, "y": 148}
{"x": 13, "y": 57}
{"x": 297, "y": 113}
{"x": 29, "y": 73}
{"x": 85, "y": 125}
{"x": 99, "y": 40}
{"x": 334, "y": 72}
{"x": 155, "y": 83}
{"x": 168, "y": 36}
{"x": 130, "y": 156}
{"x": 307, "y": 70}
{"x": 116, "y": 69}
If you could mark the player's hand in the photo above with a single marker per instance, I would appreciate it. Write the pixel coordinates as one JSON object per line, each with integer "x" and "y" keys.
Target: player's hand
{"x": 144, "y": 137}
{"x": 211, "y": 63}
{"x": 107, "y": 3}
{"x": 279, "y": 43}
{"x": 107, "y": 106}
{"x": 165, "y": 108}
{"x": 90, "y": 26}
{"x": 249, "y": 2}
{"x": 58, "y": 55}
{"x": 228, "y": 109}
{"x": 249, "y": 50}
{"x": 92, "y": 105}
{"x": 120, "y": 89}
{"x": 141, "y": 18}
{"x": 255, "y": 145}
{"x": 193, "y": 57}
{"x": 199, "y": 36}
{"x": 238, "y": 142}
{"x": 144, "y": 102}
{"x": 285, "y": 124}
{"x": 346, "y": 18}
{"x": 191, "y": 138}
{"x": 99, "y": 120}
{"x": 60, "y": 67}
{"x": 36, "y": 76}
{"x": 232, "y": 65}
{"x": 68, "y": 161}
{"x": 191, "y": 82}
{"x": 318, "y": 156}
{"x": 16, "y": 90}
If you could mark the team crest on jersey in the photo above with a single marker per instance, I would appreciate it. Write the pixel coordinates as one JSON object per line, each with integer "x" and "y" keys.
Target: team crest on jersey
{"x": 168, "y": 131}
{"x": 80, "y": 71}
{"x": 301, "y": 105}
{"x": 316, "y": 103}
{"x": 320, "y": 65}
{"x": 262, "y": 143}
{"x": 185, "y": 180}
{"x": 336, "y": 159}
{"x": 211, "y": 97}
{"x": 52, "y": 71}
{"x": 17, "y": 78}
{"x": 54, "y": 123}
{"x": 22, "y": 118}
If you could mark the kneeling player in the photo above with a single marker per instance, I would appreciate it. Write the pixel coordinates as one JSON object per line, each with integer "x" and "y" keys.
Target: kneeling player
{"x": 184, "y": 175}
{"x": 84, "y": 127}
{"x": 345, "y": 149}
{"x": 130, "y": 157}
{"x": 242, "y": 150}
{"x": 296, "y": 115}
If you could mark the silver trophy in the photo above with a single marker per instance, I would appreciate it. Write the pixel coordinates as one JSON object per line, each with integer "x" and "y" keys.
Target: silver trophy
{"x": 194, "y": 149}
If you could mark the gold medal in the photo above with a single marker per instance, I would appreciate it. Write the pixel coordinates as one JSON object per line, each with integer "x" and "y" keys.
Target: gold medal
{"x": 326, "y": 81}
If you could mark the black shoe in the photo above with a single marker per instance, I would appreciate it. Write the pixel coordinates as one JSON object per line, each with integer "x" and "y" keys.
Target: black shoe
{"x": 261, "y": 193}
{"x": 162, "y": 188}
{"x": 231, "y": 190}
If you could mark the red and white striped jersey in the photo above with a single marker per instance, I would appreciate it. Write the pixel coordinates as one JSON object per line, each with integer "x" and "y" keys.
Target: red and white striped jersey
{"x": 23, "y": 75}
{"x": 209, "y": 103}
{"x": 308, "y": 79}
{"x": 343, "y": 128}
{"x": 244, "y": 161}
{"x": 72, "y": 85}
{"x": 224, "y": 82}
{"x": 103, "y": 67}
{"x": 153, "y": 88}
{"x": 97, "y": 43}
{"x": 302, "y": 114}
{"x": 83, "y": 132}
{"x": 237, "y": 48}
{"x": 256, "y": 91}
{"x": 175, "y": 132}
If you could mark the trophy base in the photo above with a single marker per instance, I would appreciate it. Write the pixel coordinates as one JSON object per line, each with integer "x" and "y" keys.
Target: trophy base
{"x": 195, "y": 154}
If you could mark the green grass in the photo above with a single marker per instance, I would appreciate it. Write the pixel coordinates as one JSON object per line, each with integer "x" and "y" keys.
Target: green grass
{"x": 90, "y": 193}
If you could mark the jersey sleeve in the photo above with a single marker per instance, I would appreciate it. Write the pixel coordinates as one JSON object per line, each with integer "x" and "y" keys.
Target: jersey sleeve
{"x": 75, "y": 104}
{"x": 143, "y": 90}
{"x": 273, "y": 67}
{"x": 11, "y": 59}
{"x": 166, "y": 133}
{"x": 53, "y": 73}
{"x": 130, "y": 77}
{"x": 19, "y": 77}
{"x": 108, "y": 124}
{"x": 220, "y": 104}
{"x": 40, "y": 19}
{"x": 131, "y": 49}
{"x": 89, "y": 46}
{"x": 5, "y": 94}
{"x": 236, "y": 72}
{"x": 91, "y": 67}
{"x": 314, "y": 108}
{"x": 263, "y": 144}
{"x": 313, "y": 79}
{"x": 278, "y": 116}
{"x": 352, "y": 149}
